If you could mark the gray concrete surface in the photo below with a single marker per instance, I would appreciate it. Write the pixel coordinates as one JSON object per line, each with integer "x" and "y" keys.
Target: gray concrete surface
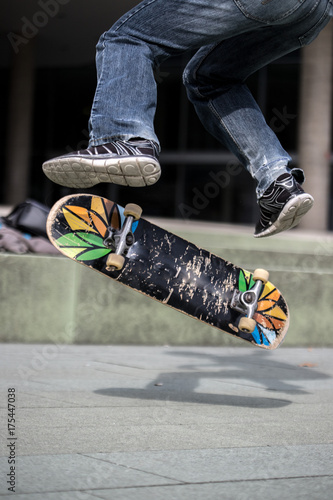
{"x": 150, "y": 423}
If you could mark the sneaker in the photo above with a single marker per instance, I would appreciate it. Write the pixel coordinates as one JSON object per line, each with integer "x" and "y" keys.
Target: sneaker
{"x": 128, "y": 163}
{"x": 282, "y": 205}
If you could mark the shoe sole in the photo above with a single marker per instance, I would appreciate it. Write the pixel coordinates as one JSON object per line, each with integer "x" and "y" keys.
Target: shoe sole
{"x": 290, "y": 215}
{"x": 77, "y": 172}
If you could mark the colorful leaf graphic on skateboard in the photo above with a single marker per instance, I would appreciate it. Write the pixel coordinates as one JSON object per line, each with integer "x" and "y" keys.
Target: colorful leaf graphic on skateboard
{"x": 88, "y": 228}
{"x": 270, "y": 315}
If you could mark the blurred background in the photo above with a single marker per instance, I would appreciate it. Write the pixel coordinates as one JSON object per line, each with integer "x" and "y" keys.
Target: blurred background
{"x": 47, "y": 51}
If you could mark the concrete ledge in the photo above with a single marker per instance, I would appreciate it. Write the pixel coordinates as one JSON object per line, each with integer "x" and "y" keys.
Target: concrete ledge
{"x": 52, "y": 299}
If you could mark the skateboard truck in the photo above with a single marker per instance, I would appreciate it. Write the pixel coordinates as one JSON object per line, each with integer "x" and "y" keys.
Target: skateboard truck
{"x": 246, "y": 302}
{"x": 120, "y": 240}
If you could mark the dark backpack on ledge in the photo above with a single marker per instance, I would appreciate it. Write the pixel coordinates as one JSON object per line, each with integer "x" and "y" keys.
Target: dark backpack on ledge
{"x": 28, "y": 217}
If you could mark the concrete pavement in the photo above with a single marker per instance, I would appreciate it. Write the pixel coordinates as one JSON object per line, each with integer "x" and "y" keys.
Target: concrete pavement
{"x": 144, "y": 422}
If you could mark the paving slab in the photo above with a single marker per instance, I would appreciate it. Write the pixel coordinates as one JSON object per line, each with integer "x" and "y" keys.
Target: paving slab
{"x": 296, "y": 489}
{"x": 145, "y": 422}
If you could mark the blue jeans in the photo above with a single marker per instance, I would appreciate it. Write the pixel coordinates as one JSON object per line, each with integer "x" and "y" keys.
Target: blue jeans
{"x": 233, "y": 39}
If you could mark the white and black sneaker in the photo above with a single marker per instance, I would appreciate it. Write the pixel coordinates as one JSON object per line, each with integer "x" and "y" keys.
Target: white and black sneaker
{"x": 282, "y": 205}
{"x": 128, "y": 163}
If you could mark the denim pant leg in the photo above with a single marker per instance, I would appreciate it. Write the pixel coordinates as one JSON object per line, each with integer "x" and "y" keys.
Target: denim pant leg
{"x": 215, "y": 81}
{"x": 128, "y": 53}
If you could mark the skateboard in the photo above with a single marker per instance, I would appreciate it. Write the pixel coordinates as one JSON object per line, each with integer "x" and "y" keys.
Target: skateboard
{"x": 120, "y": 244}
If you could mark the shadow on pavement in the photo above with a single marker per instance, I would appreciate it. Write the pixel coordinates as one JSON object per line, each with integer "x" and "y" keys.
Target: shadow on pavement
{"x": 242, "y": 375}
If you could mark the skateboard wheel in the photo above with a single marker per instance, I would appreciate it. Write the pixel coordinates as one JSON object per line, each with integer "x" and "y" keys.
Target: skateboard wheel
{"x": 261, "y": 274}
{"x": 115, "y": 262}
{"x": 247, "y": 325}
{"x": 131, "y": 209}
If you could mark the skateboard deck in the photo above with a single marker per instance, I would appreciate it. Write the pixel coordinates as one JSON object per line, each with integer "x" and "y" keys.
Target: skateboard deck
{"x": 167, "y": 268}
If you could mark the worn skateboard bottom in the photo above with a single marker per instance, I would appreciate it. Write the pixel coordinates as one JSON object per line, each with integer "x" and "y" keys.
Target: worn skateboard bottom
{"x": 166, "y": 268}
